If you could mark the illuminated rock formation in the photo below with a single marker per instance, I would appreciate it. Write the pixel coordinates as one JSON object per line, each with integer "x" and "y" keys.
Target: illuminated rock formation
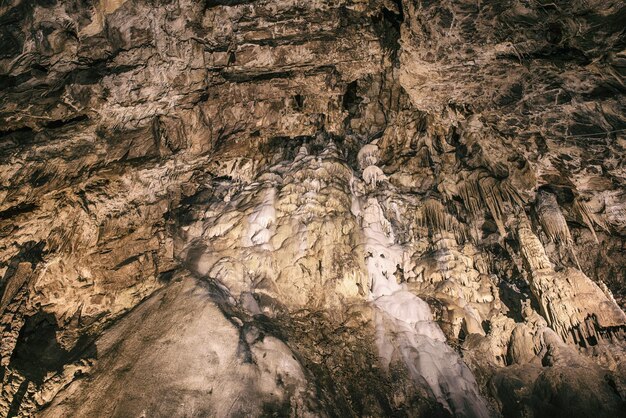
{"x": 312, "y": 208}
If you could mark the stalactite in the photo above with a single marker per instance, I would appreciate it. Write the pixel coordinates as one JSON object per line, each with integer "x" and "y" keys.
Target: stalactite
{"x": 434, "y": 216}
{"x": 494, "y": 200}
{"x": 559, "y": 293}
{"x": 553, "y": 222}
{"x": 372, "y": 175}
{"x": 488, "y": 193}
{"x": 470, "y": 194}
{"x": 308, "y": 208}
{"x": 368, "y": 155}
{"x": 583, "y": 213}
{"x": 551, "y": 218}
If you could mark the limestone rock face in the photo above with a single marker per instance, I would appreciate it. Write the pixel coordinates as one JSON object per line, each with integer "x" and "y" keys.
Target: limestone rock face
{"x": 312, "y": 208}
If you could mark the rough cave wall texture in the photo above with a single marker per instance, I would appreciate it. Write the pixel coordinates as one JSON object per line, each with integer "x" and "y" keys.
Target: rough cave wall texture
{"x": 312, "y": 208}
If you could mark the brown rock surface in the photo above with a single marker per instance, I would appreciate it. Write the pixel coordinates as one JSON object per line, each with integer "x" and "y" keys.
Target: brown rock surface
{"x": 312, "y": 208}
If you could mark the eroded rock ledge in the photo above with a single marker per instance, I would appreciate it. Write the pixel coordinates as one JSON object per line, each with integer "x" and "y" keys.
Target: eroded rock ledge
{"x": 312, "y": 208}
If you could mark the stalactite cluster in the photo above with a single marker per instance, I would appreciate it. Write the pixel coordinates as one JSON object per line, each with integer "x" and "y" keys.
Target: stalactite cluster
{"x": 312, "y": 208}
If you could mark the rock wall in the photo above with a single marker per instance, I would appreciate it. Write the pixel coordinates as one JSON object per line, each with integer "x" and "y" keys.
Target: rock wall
{"x": 312, "y": 208}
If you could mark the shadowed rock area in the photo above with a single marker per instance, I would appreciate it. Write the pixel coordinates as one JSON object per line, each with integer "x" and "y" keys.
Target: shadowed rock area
{"x": 346, "y": 208}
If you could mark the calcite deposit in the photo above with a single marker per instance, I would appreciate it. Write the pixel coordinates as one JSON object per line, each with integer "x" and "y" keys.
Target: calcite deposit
{"x": 312, "y": 208}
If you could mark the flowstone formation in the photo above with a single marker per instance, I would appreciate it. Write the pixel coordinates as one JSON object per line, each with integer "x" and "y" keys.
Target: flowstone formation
{"x": 312, "y": 208}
